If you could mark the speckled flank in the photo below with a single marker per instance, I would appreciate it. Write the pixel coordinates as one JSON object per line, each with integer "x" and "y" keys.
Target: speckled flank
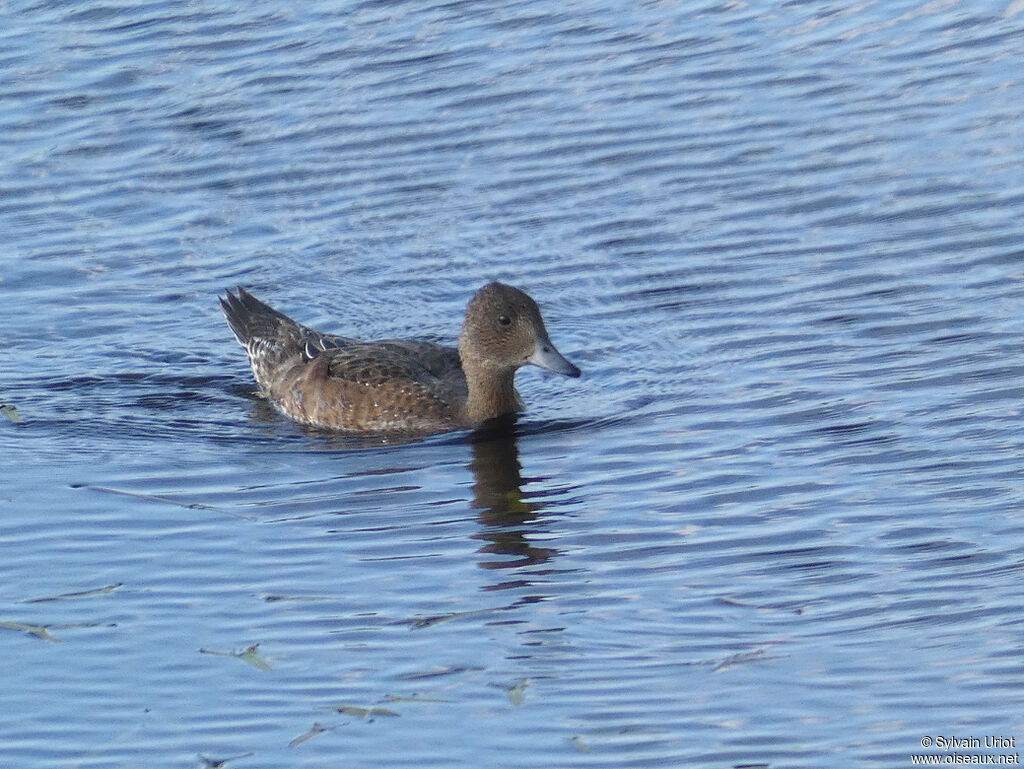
{"x": 396, "y": 385}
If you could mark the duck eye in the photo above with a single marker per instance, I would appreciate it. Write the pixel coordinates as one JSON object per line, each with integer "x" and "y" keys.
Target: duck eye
{"x": 504, "y": 320}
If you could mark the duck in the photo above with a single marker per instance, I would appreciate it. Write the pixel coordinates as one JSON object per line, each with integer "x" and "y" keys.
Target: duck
{"x": 395, "y": 385}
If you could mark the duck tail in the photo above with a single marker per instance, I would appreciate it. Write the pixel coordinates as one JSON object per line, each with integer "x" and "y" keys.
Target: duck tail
{"x": 270, "y": 338}
{"x": 252, "y": 320}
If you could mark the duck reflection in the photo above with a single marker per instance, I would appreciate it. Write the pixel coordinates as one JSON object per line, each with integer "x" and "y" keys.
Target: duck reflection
{"x": 505, "y": 515}
{"x": 497, "y": 494}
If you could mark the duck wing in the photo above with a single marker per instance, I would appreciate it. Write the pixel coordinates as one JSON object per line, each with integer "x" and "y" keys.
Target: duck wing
{"x": 370, "y": 386}
{"x": 442, "y": 362}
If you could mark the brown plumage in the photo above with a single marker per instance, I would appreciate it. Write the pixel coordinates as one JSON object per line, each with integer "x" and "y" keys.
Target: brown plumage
{"x": 396, "y": 385}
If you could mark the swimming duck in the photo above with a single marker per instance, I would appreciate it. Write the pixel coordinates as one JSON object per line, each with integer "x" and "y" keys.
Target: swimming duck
{"x": 394, "y": 385}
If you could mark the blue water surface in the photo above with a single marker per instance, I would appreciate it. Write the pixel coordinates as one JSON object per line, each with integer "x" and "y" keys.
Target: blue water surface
{"x": 777, "y": 523}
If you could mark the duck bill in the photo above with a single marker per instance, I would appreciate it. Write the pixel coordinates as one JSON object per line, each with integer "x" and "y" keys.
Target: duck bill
{"x": 546, "y": 356}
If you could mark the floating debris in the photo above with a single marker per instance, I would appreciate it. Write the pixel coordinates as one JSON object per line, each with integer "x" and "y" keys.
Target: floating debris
{"x": 162, "y": 500}
{"x": 758, "y": 655}
{"x": 271, "y": 598}
{"x": 37, "y": 630}
{"x": 249, "y": 655}
{"x": 254, "y": 659}
{"x": 727, "y": 601}
{"x": 516, "y": 693}
{"x": 318, "y": 728}
{"x": 84, "y": 594}
{"x": 416, "y": 623}
{"x": 358, "y": 711}
{"x": 415, "y": 697}
{"x": 10, "y": 412}
{"x": 218, "y": 763}
{"x": 579, "y": 744}
{"x": 439, "y": 670}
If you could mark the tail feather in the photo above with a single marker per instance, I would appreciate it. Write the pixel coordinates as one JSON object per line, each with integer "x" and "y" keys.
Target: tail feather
{"x": 250, "y": 319}
{"x": 270, "y": 337}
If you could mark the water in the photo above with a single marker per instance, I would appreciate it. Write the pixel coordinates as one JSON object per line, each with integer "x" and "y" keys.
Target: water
{"x": 778, "y": 522}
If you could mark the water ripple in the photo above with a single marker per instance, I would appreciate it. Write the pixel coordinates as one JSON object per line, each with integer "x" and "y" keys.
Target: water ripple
{"x": 775, "y": 523}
